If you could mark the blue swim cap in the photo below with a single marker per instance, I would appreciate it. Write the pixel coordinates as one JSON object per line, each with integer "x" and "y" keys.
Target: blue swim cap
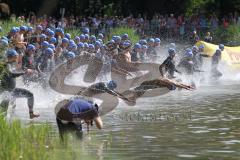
{"x": 85, "y": 45}
{"x": 71, "y": 41}
{"x": 72, "y": 46}
{"x": 51, "y": 46}
{"x": 143, "y": 42}
{"x": 112, "y": 41}
{"x": 171, "y": 51}
{"x": 188, "y": 52}
{"x": 47, "y": 30}
{"x": 201, "y": 46}
{"x": 51, "y": 33}
{"x": 49, "y": 51}
{"x": 43, "y": 36}
{"x": 82, "y": 36}
{"x": 125, "y": 36}
{"x": 117, "y": 39}
{"x": 77, "y": 39}
{"x": 13, "y": 30}
{"x": 80, "y": 45}
{"x": 97, "y": 43}
{"x": 68, "y": 36}
{"x": 100, "y": 40}
{"x": 53, "y": 40}
{"x": 4, "y": 43}
{"x": 11, "y": 53}
{"x": 45, "y": 44}
{"x": 31, "y": 47}
{"x": 112, "y": 85}
{"x": 91, "y": 46}
{"x": 70, "y": 55}
{"x": 23, "y": 28}
{"x": 157, "y": 40}
{"x": 221, "y": 46}
{"x": 137, "y": 46}
{"x": 86, "y": 36}
{"x": 59, "y": 30}
{"x": 30, "y": 29}
{"x": 194, "y": 48}
{"x": 151, "y": 40}
{"x": 17, "y": 29}
{"x": 145, "y": 47}
{"x": 85, "y": 30}
{"x": 126, "y": 45}
{"x": 93, "y": 38}
{"x": 65, "y": 40}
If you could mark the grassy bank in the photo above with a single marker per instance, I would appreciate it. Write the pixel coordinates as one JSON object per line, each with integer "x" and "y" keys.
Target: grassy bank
{"x": 7, "y": 25}
{"x": 130, "y": 31}
{"x": 35, "y": 142}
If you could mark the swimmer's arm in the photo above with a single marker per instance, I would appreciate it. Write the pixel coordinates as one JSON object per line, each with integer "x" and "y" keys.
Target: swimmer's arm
{"x": 177, "y": 71}
{"x": 22, "y": 43}
{"x": 177, "y": 84}
{"x": 15, "y": 75}
{"x": 197, "y": 70}
{"x": 38, "y": 68}
{"x": 205, "y": 55}
{"x": 121, "y": 71}
{"x": 180, "y": 85}
{"x": 117, "y": 94}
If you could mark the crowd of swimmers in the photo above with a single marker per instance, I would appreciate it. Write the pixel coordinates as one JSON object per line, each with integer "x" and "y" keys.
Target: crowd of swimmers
{"x": 34, "y": 52}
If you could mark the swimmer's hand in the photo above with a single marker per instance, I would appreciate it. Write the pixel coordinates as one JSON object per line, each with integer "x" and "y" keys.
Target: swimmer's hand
{"x": 29, "y": 71}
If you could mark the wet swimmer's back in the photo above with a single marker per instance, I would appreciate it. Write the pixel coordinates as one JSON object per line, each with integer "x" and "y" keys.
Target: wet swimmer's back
{"x": 78, "y": 110}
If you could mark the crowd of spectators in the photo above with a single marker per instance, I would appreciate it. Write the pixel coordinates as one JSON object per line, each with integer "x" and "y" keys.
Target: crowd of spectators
{"x": 165, "y": 26}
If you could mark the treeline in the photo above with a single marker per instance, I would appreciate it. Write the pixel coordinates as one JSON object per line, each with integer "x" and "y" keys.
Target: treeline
{"x": 123, "y": 7}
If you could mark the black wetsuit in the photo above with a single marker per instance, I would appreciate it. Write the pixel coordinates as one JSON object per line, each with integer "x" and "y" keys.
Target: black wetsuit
{"x": 134, "y": 56}
{"x": 8, "y": 83}
{"x": 170, "y": 67}
{"x": 198, "y": 60}
{"x": 152, "y": 52}
{"x": 97, "y": 88}
{"x": 215, "y": 61}
{"x": 187, "y": 66}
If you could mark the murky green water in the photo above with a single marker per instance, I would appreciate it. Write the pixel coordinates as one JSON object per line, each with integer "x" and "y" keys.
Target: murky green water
{"x": 203, "y": 124}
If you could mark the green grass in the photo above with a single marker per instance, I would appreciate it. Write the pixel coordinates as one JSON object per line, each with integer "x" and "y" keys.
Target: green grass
{"x": 121, "y": 30}
{"x": 35, "y": 142}
{"x": 73, "y": 32}
{"x": 7, "y": 25}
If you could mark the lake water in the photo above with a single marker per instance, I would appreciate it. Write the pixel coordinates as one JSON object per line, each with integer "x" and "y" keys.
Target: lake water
{"x": 201, "y": 124}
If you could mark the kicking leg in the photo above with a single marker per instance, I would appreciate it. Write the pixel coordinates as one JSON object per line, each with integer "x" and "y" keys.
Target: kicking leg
{"x": 18, "y": 93}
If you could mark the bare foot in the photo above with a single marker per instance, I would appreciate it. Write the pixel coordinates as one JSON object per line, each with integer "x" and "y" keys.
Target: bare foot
{"x": 33, "y": 115}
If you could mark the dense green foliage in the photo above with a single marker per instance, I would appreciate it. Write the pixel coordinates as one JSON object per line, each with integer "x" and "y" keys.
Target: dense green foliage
{"x": 125, "y": 7}
{"x": 220, "y": 7}
{"x": 229, "y": 35}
